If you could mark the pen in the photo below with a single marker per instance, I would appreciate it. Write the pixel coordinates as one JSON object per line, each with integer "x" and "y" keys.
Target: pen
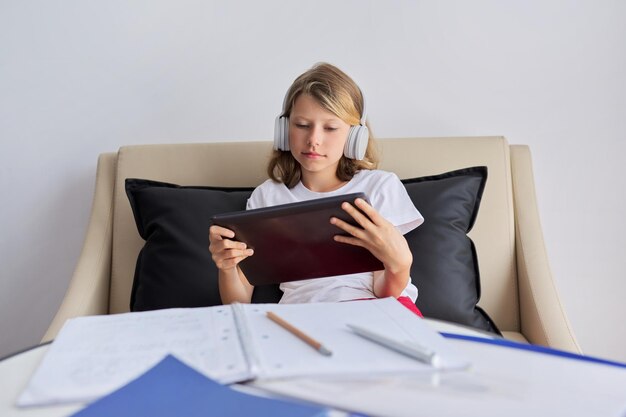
{"x": 300, "y": 334}
{"x": 411, "y": 349}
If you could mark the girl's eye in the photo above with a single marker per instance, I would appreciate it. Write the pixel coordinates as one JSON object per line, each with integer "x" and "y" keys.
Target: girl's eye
{"x": 331, "y": 129}
{"x": 301, "y": 126}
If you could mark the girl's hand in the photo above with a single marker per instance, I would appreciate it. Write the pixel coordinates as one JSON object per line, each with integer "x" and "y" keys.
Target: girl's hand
{"x": 377, "y": 235}
{"x": 226, "y": 253}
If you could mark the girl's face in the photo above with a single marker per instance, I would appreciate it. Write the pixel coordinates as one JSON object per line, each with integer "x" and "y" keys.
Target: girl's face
{"x": 316, "y": 139}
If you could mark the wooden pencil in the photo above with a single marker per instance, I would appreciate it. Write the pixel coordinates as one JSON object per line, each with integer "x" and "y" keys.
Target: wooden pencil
{"x": 299, "y": 333}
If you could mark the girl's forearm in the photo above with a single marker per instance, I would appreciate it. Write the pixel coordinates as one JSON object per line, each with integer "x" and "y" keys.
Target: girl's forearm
{"x": 391, "y": 284}
{"x": 234, "y": 286}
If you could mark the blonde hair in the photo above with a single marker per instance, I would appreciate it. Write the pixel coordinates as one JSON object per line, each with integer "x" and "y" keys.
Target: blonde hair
{"x": 337, "y": 93}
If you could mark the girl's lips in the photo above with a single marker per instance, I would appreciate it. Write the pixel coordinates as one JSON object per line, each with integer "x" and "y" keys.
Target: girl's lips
{"x": 312, "y": 154}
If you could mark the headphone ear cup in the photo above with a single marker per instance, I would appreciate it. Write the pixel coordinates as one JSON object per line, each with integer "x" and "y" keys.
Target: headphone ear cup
{"x": 281, "y": 133}
{"x": 356, "y": 145}
{"x": 285, "y": 127}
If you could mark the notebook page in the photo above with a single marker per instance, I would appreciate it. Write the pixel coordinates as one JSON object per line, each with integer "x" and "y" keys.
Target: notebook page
{"x": 281, "y": 354}
{"x": 94, "y": 355}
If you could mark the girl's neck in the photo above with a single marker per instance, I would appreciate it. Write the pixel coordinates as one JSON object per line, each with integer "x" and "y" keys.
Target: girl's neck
{"x": 319, "y": 184}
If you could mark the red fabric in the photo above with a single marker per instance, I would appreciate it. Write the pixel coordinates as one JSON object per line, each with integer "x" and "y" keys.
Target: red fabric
{"x": 408, "y": 303}
{"x": 404, "y": 300}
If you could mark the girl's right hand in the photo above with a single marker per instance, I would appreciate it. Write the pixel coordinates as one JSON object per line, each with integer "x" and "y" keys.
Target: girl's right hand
{"x": 226, "y": 253}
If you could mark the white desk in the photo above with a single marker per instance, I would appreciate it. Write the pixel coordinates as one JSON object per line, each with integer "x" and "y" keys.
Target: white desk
{"x": 502, "y": 381}
{"x": 15, "y": 372}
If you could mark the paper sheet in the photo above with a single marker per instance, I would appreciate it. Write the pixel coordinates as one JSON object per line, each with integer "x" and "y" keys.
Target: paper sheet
{"x": 91, "y": 356}
{"x": 501, "y": 382}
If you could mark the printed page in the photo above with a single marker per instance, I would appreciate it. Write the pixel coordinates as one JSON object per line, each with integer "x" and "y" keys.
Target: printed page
{"x": 94, "y": 355}
{"x": 281, "y": 354}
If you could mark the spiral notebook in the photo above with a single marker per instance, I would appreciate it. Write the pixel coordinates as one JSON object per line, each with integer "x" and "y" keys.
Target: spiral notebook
{"x": 95, "y": 355}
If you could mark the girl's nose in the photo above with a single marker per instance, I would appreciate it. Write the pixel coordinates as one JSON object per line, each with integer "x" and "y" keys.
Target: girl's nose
{"x": 314, "y": 137}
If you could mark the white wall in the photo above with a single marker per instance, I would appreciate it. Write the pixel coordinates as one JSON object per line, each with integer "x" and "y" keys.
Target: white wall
{"x": 78, "y": 78}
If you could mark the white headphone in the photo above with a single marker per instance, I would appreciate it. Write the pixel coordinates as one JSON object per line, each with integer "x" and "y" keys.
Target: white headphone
{"x": 356, "y": 145}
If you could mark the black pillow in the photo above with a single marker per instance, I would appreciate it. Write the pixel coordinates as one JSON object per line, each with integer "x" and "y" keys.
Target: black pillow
{"x": 445, "y": 267}
{"x": 174, "y": 268}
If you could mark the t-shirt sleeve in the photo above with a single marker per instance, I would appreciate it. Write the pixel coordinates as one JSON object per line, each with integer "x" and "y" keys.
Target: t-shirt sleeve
{"x": 255, "y": 200}
{"x": 260, "y": 195}
{"x": 393, "y": 202}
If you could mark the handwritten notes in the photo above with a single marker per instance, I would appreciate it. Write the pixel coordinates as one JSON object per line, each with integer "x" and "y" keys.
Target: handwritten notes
{"x": 101, "y": 353}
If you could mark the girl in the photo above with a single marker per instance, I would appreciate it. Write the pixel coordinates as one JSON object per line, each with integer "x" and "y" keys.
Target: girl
{"x": 323, "y": 148}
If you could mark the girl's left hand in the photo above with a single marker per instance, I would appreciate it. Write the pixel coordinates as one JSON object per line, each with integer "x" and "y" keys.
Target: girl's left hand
{"x": 376, "y": 234}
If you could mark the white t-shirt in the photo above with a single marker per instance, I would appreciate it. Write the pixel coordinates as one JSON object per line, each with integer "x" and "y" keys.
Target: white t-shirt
{"x": 385, "y": 193}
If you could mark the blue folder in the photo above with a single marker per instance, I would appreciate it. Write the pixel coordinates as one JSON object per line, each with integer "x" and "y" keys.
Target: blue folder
{"x": 171, "y": 388}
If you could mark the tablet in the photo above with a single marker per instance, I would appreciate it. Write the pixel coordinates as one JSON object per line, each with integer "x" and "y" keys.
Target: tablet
{"x": 294, "y": 241}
